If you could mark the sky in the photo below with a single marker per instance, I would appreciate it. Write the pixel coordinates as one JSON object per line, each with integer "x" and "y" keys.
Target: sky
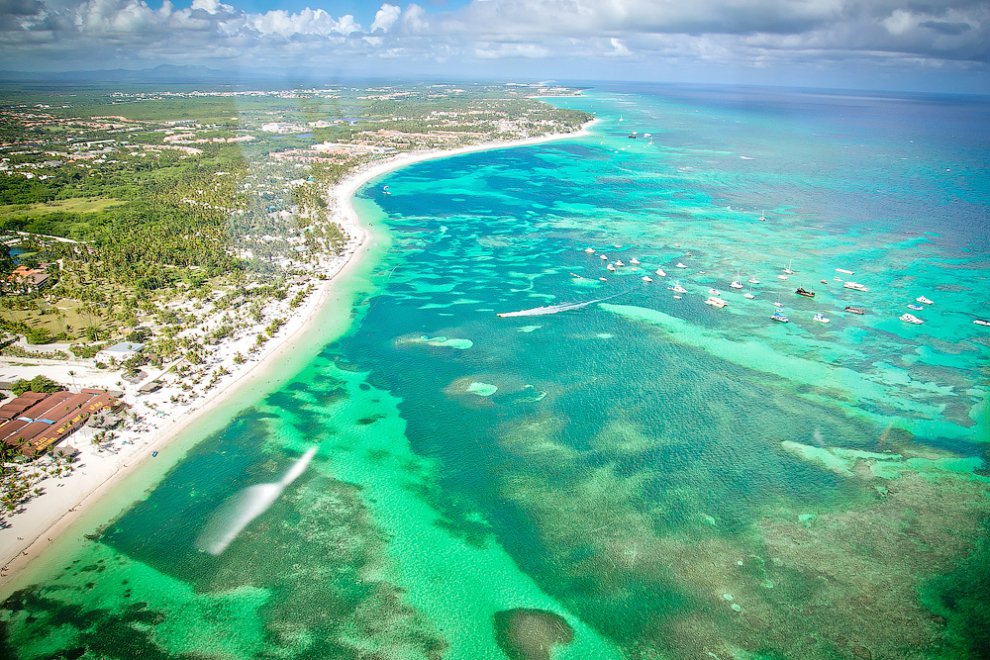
{"x": 923, "y": 45}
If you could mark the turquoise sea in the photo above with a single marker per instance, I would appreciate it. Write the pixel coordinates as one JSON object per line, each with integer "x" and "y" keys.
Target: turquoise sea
{"x": 645, "y": 476}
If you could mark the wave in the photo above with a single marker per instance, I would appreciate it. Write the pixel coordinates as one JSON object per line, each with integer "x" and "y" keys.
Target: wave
{"x": 557, "y": 309}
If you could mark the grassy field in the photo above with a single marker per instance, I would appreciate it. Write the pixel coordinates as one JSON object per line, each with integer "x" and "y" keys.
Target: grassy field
{"x": 63, "y": 318}
{"x": 74, "y": 205}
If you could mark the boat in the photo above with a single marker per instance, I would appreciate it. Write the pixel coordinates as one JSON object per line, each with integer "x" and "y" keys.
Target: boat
{"x": 576, "y": 276}
{"x": 788, "y": 269}
{"x": 753, "y": 280}
{"x": 923, "y": 300}
{"x": 801, "y": 291}
{"x": 659, "y": 271}
{"x": 910, "y": 318}
{"x": 915, "y": 307}
{"x": 821, "y": 318}
{"x": 634, "y": 261}
{"x": 677, "y": 297}
{"x": 778, "y": 304}
{"x": 779, "y": 317}
{"x": 716, "y": 302}
{"x": 603, "y": 257}
{"x": 603, "y": 279}
{"x": 680, "y": 265}
{"x": 855, "y": 310}
{"x": 633, "y": 135}
{"x": 856, "y": 286}
{"x": 714, "y": 292}
{"x": 589, "y": 250}
{"x": 736, "y": 285}
{"x": 610, "y": 267}
{"x": 647, "y": 278}
{"x": 782, "y": 277}
{"x": 677, "y": 288}
{"x": 748, "y": 295}
{"x": 843, "y": 270}
{"x": 825, "y": 282}
{"x": 981, "y": 322}
{"x": 618, "y": 262}
{"x": 763, "y": 216}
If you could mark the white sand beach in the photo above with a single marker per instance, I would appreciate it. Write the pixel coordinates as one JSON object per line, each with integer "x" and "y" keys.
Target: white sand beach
{"x": 161, "y": 420}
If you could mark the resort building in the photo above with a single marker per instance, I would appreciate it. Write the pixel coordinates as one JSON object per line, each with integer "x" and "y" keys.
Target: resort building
{"x": 33, "y": 422}
{"x": 120, "y": 352}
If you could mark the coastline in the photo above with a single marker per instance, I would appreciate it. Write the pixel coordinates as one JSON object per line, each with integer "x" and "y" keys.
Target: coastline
{"x": 47, "y": 517}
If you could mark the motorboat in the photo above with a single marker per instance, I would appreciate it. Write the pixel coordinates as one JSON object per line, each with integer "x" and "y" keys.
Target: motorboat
{"x": 753, "y": 280}
{"x": 647, "y": 278}
{"x": 716, "y": 302}
{"x": 923, "y": 300}
{"x": 843, "y": 270}
{"x": 779, "y": 317}
{"x": 981, "y": 322}
{"x": 856, "y": 286}
{"x": 634, "y": 261}
{"x": 911, "y": 318}
{"x": 855, "y": 310}
{"x": 714, "y": 292}
{"x": 660, "y": 272}
{"x": 915, "y": 307}
{"x": 680, "y": 265}
{"x": 821, "y": 318}
{"x": 801, "y": 291}
{"x": 618, "y": 262}
{"x": 603, "y": 257}
{"x": 748, "y": 295}
{"x": 589, "y": 250}
{"x": 782, "y": 277}
{"x": 736, "y": 285}
{"x": 677, "y": 288}
{"x": 610, "y": 267}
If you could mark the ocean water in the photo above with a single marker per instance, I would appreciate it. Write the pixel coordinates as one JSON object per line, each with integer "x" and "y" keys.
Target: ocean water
{"x": 641, "y": 476}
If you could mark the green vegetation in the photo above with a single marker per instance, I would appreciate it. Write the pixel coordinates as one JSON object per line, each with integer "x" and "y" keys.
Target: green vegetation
{"x": 37, "y": 384}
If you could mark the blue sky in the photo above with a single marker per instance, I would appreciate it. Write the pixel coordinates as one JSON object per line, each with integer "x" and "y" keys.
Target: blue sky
{"x": 932, "y": 45}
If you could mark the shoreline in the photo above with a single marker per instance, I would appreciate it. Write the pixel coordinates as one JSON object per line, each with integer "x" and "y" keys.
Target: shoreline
{"x": 45, "y": 519}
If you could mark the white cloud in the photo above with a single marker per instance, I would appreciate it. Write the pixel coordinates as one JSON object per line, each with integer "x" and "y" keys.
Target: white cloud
{"x": 618, "y": 48}
{"x": 386, "y": 17}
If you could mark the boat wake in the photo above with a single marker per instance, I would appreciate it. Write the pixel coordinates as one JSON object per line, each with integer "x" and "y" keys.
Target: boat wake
{"x": 236, "y": 513}
{"x": 557, "y": 309}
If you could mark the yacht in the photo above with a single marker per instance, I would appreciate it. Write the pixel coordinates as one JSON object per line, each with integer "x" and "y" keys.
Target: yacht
{"x": 753, "y": 280}
{"x": 634, "y": 261}
{"x": 748, "y": 295}
{"x": 855, "y": 286}
{"x": 680, "y": 265}
{"x": 779, "y": 317}
{"x": 677, "y": 288}
{"x": 660, "y": 272}
{"x": 843, "y": 270}
{"x": 589, "y": 250}
{"x": 778, "y": 304}
{"x": 610, "y": 267}
{"x": 618, "y": 262}
{"x": 716, "y": 302}
{"x": 981, "y": 322}
{"x": 821, "y": 318}
{"x": 923, "y": 300}
{"x": 714, "y": 292}
{"x": 911, "y": 318}
{"x": 736, "y": 285}
{"x": 603, "y": 257}
{"x": 647, "y": 278}
{"x": 915, "y": 307}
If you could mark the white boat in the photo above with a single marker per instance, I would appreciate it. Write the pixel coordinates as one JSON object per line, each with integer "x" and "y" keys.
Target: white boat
{"x": 677, "y": 288}
{"x": 763, "y": 216}
{"x": 779, "y": 317}
{"x": 634, "y": 261}
{"x": 843, "y": 270}
{"x": 981, "y": 322}
{"x": 911, "y": 318}
{"x": 680, "y": 265}
{"x": 716, "y": 302}
{"x": 589, "y": 250}
{"x": 821, "y": 318}
{"x": 855, "y": 286}
{"x": 618, "y": 262}
{"x": 610, "y": 267}
{"x": 788, "y": 269}
{"x": 736, "y": 285}
{"x": 916, "y": 308}
{"x": 923, "y": 300}
{"x": 753, "y": 280}
{"x": 603, "y": 257}
{"x": 660, "y": 272}
{"x": 782, "y": 277}
{"x": 748, "y": 295}
{"x": 714, "y": 292}
{"x": 603, "y": 279}
{"x": 778, "y": 304}
{"x": 647, "y": 278}
{"x": 677, "y": 297}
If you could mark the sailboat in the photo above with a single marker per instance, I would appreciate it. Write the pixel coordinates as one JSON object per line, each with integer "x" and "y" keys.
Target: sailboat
{"x": 788, "y": 269}
{"x": 763, "y": 217}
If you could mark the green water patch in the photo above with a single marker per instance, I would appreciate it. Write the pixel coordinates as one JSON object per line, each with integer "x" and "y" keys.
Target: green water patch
{"x": 482, "y": 389}
{"x": 885, "y": 389}
{"x": 844, "y": 462}
{"x": 440, "y": 341}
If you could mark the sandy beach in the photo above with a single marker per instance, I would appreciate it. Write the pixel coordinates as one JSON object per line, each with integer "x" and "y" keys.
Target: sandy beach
{"x": 64, "y": 499}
